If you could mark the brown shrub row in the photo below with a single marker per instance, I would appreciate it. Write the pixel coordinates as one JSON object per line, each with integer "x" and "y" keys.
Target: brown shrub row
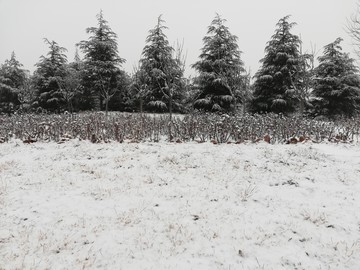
{"x": 216, "y": 128}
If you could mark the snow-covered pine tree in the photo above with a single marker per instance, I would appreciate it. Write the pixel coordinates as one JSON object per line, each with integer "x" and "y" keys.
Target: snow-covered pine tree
{"x": 102, "y": 63}
{"x": 337, "y": 83}
{"x": 162, "y": 71}
{"x": 273, "y": 89}
{"x": 50, "y": 71}
{"x": 220, "y": 69}
{"x": 12, "y": 78}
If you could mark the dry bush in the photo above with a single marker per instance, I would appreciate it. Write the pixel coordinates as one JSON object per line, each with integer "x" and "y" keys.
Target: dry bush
{"x": 200, "y": 127}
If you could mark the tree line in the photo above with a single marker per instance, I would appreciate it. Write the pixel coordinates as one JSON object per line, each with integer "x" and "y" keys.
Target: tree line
{"x": 287, "y": 82}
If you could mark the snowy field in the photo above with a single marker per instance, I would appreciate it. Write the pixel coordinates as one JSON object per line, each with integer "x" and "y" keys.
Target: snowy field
{"x": 79, "y": 205}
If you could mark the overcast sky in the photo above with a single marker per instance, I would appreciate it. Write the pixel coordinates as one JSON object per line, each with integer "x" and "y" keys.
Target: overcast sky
{"x": 24, "y": 24}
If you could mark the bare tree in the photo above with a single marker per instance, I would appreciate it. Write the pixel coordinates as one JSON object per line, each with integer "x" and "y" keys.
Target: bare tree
{"x": 173, "y": 80}
{"x": 140, "y": 86}
{"x": 26, "y": 94}
{"x": 70, "y": 86}
{"x": 301, "y": 79}
{"x": 353, "y": 29}
{"x": 107, "y": 91}
{"x": 245, "y": 91}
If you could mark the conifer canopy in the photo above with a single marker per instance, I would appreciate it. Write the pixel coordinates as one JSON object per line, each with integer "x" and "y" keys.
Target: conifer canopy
{"x": 219, "y": 68}
{"x": 337, "y": 82}
{"x": 273, "y": 86}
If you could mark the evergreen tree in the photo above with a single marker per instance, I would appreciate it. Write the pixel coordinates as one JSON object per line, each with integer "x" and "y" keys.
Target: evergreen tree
{"x": 220, "y": 69}
{"x": 337, "y": 82}
{"x": 12, "y": 79}
{"x": 48, "y": 76}
{"x": 273, "y": 88}
{"x": 163, "y": 72}
{"x": 102, "y": 64}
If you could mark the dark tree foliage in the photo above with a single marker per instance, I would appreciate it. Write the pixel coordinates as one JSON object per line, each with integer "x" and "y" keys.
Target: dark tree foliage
{"x": 220, "y": 69}
{"x": 162, "y": 73}
{"x": 48, "y": 76}
{"x": 337, "y": 82}
{"x": 273, "y": 89}
{"x": 122, "y": 99}
{"x": 102, "y": 73}
{"x": 12, "y": 79}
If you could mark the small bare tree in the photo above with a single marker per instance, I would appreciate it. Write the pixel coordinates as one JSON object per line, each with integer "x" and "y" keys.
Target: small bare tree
{"x": 245, "y": 94}
{"x": 70, "y": 86}
{"x": 174, "y": 76}
{"x": 107, "y": 91}
{"x": 301, "y": 79}
{"x": 170, "y": 79}
{"x": 140, "y": 86}
{"x": 353, "y": 29}
{"x": 26, "y": 94}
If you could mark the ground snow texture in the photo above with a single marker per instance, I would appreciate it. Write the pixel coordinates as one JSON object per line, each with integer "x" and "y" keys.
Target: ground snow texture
{"x": 79, "y": 205}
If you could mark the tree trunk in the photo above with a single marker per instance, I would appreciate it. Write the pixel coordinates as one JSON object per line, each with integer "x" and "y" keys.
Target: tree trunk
{"x": 70, "y": 106}
{"x": 301, "y": 106}
{"x": 244, "y": 107}
{"x": 97, "y": 101}
{"x": 234, "y": 103}
{"x": 141, "y": 106}
{"x": 106, "y": 107}
{"x": 170, "y": 106}
{"x": 170, "y": 115}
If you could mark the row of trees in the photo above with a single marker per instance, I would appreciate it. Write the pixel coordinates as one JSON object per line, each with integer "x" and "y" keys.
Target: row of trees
{"x": 287, "y": 81}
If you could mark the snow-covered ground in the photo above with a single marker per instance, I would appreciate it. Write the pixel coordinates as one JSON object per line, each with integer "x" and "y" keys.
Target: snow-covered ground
{"x": 79, "y": 205}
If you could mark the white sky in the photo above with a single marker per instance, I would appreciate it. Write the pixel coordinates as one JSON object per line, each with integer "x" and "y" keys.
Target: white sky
{"x": 24, "y": 24}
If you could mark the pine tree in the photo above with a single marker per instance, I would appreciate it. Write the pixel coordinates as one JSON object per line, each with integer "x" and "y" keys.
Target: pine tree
{"x": 48, "y": 77}
{"x": 273, "y": 89}
{"x": 12, "y": 79}
{"x": 337, "y": 82}
{"x": 102, "y": 63}
{"x": 162, "y": 71}
{"x": 220, "y": 69}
